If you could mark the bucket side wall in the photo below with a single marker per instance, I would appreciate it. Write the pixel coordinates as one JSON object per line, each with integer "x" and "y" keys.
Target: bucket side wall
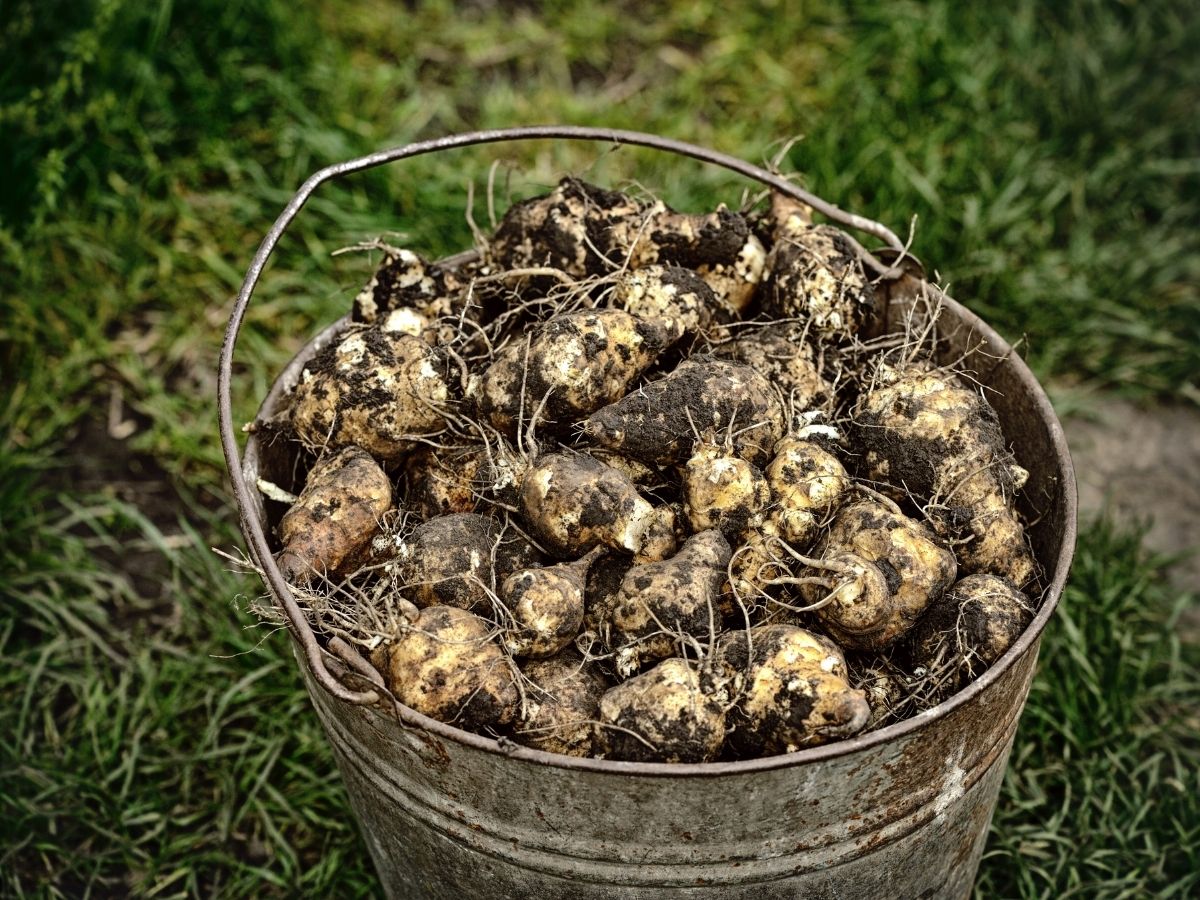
{"x": 909, "y": 815}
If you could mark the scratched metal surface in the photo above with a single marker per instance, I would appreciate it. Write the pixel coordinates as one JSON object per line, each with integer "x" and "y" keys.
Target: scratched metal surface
{"x": 903, "y": 819}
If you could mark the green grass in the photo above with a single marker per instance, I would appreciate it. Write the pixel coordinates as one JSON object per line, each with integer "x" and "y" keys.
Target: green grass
{"x": 158, "y": 743}
{"x": 1101, "y": 795}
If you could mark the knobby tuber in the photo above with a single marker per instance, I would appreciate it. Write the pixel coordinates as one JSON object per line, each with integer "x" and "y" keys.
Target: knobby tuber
{"x": 782, "y": 353}
{"x": 440, "y": 483}
{"x": 573, "y": 502}
{"x": 584, "y": 230}
{"x": 969, "y": 628}
{"x": 329, "y": 528}
{"x": 663, "y": 715}
{"x": 807, "y": 484}
{"x": 448, "y": 561}
{"x": 916, "y": 570}
{"x": 547, "y": 607}
{"x": 406, "y": 281}
{"x": 448, "y": 666}
{"x": 662, "y": 421}
{"x": 722, "y": 491}
{"x": 563, "y": 704}
{"x": 794, "y": 691}
{"x": 374, "y": 389}
{"x": 578, "y": 362}
{"x": 815, "y": 274}
{"x": 661, "y": 604}
{"x": 673, "y": 296}
{"x": 925, "y": 431}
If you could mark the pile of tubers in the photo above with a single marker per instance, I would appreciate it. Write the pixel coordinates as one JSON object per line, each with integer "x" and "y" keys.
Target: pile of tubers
{"x": 644, "y": 485}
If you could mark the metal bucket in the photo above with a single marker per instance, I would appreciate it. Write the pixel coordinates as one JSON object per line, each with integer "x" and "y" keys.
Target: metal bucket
{"x": 902, "y": 812}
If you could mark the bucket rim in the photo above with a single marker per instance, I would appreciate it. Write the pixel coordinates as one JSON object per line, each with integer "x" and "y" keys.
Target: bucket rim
{"x": 253, "y": 531}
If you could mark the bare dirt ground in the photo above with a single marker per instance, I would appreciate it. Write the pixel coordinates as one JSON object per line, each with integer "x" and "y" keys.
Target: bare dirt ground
{"x": 1144, "y": 464}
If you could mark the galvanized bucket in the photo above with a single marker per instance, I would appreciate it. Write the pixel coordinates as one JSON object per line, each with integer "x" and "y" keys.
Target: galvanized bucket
{"x": 902, "y": 812}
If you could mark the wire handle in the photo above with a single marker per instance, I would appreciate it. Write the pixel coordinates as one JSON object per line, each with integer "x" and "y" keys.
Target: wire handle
{"x": 252, "y": 527}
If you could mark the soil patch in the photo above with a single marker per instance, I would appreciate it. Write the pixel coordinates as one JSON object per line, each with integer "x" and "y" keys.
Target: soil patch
{"x": 98, "y": 463}
{"x": 1144, "y": 464}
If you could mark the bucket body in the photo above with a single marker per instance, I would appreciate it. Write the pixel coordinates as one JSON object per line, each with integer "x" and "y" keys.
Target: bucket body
{"x": 903, "y": 819}
{"x": 902, "y": 812}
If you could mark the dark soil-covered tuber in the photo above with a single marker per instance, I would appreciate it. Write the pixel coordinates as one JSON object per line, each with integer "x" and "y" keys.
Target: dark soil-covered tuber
{"x": 662, "y": 604}
{"x": 329, "y": 528}
{"x": 562, "y": 704}
{"x": 448, "y": 561}
{"x": 969, "y": 628}
{"x": 447, "y": 665}
{"x": 374, "y": 389}
{"x": 663, "y": 715}
{"x": 662, "y": 421}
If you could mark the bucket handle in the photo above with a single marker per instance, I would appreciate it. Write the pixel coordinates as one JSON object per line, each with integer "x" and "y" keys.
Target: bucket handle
{"x": 251, "y": 526}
